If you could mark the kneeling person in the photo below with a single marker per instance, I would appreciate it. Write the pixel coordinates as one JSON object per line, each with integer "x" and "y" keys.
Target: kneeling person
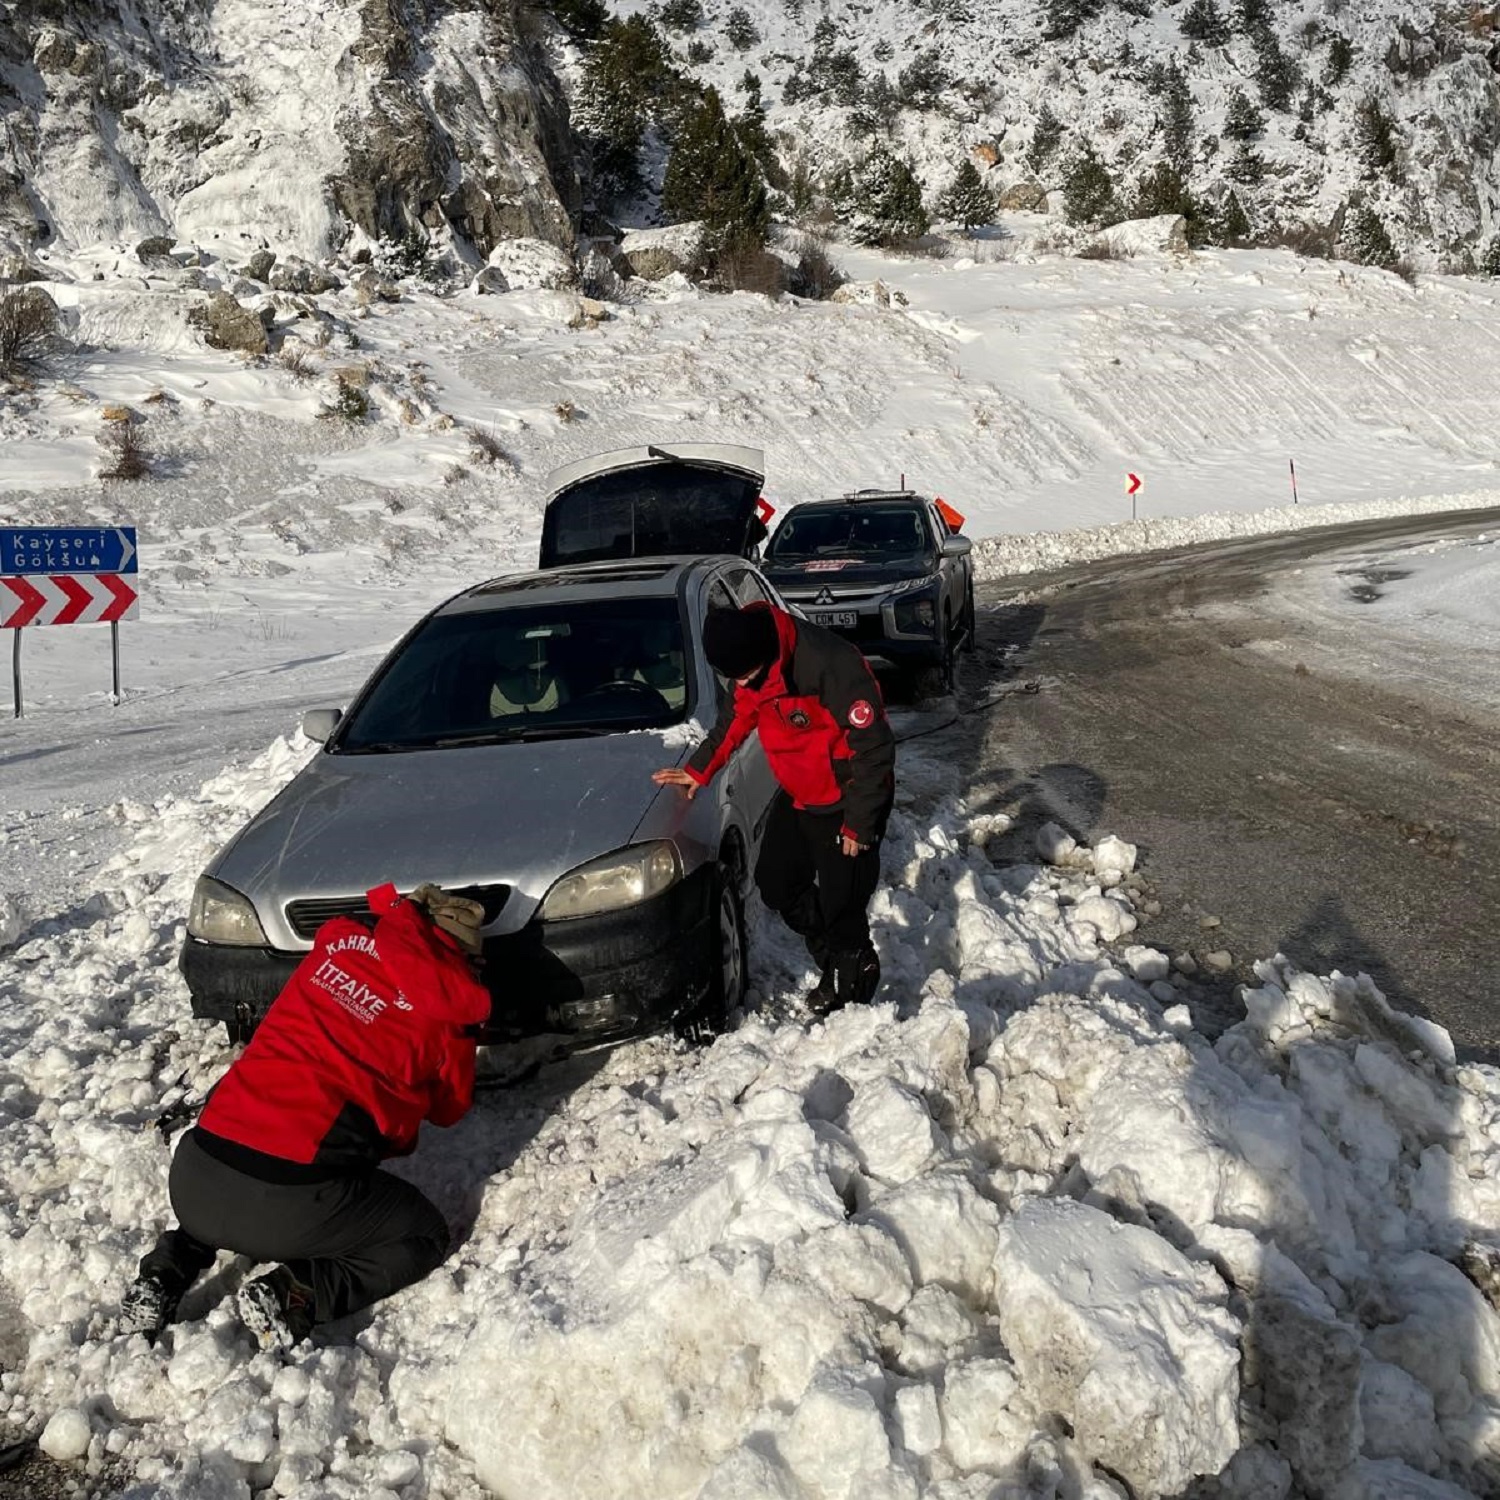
{"x": 372, "y": 1035}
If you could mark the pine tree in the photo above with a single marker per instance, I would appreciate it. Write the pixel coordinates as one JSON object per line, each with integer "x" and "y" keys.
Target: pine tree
{"x": 627, "y": 77}
{"x": 1367, "y": 240}
{"x": 922, "y": 81}
{"x": 1088, "y": 192}
{"x": 1162, "y": 191}
{"x": 1489, "y": 262}
{"x": 1177, "y": 102}
{"x": 1276, "y": 75}
{"x": 885, "y": 200}
{"x": 1242, "y": 120}
{"x": 1246, "y": 165}
{"x": 682, "y": 15}
{"x": 1061, "y": 18}
{"x": 968, "y": 201}
{"x": 1340, "y": 59}
{"x": 1046, "y": 136}
{"x": 1234, "y": 224}
{"x": 583, "y": 20}
{"x": 882, "y": 101}
{"x": 1202, "y": 22}
{"x": 1374, "y": 137}
{"x": 712, "y": 178}
{"x": 739, "y": 30}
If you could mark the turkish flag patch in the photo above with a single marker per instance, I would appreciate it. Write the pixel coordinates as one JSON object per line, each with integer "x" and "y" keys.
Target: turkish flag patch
{"x": 861, "y": 714}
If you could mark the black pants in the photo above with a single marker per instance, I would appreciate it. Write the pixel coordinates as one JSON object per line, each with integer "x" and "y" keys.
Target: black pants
{"x": 806, "y": 878}
{"x": 353, "y": 1240}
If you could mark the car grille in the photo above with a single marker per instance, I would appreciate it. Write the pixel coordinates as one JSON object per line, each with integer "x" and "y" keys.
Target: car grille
{"x": 306, "y": 916}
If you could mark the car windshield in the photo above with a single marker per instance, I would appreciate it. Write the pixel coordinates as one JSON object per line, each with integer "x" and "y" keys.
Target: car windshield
{"x": 534, "y": 672}
{"x": 851, "y": 531}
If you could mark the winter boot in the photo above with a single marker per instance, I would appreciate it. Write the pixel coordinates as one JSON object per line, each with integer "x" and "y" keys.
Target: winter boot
{"x": 856, "y": 977}
{"x": 277, "y": 1309}
{"x": 148, "y": 1305}
{"x": 824, "y": 995}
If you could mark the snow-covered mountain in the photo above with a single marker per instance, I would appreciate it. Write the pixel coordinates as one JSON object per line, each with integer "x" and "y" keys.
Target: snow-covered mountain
{"x": 305, "y": 128}
{"x": 1393, "y": 103}
{"x": 240, "y": 124}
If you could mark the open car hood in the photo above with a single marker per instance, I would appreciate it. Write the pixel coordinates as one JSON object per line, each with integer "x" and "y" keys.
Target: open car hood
{"x": 691, "y": 499}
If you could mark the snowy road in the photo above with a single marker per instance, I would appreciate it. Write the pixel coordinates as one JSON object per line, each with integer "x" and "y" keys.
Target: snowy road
{"x": 1315, "y": 775}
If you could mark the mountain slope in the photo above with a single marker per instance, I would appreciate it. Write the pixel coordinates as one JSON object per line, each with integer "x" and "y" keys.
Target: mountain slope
{"x": 234, "y": 124}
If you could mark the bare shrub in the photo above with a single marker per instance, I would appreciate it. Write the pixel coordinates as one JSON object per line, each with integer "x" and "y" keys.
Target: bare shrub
{"x": 749, "y": 268}
{"x": 815, "y": 275}
{"x": 29, "y": 329}
{"x": 566, "y": 411}
{"x": 1314, "y": 241}
{"x": 295, "y": 361}
{"x": 486, "y": 448}
{"x": 350, "y": 403}
{"x": 1406, "y": 270}
{"x": 1100, "y": 250}
{"x": 130, "y": 458}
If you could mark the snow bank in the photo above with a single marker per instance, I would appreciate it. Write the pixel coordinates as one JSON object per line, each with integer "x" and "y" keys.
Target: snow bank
{"x": 1005, "y": 556}
{"x": 872, "y": 1256}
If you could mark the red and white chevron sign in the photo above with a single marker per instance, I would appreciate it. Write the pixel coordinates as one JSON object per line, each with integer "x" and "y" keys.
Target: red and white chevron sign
{"x": 66, "y": 599}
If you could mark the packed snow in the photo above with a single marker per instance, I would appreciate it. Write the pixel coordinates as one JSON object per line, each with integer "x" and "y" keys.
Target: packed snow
{"x": 1019, "y": 1229}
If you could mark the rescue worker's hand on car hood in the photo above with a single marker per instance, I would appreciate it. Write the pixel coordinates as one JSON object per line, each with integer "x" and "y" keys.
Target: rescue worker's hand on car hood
{"x": 674, "y": 776}
{"x": 458, "y": 916}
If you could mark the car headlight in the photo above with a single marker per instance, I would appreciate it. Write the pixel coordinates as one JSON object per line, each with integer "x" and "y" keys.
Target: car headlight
{"x": 221, "y": 915}
{"x": 622, "y": 879}
{"x": 917, "y": 614}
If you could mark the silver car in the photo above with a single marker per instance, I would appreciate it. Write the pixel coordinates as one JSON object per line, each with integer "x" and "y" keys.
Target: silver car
{"x": 504, "y": 749}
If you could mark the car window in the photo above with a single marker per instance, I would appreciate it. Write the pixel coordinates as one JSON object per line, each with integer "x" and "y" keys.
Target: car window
{"x": 537, "y": 671}
{"x": 747, "y": 588}
{"x": 719, "y": 597}
{"x": 851, "y": 531}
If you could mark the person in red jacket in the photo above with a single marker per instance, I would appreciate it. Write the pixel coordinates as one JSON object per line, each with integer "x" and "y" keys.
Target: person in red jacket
{"x": 373, "y": 1034}
{"x": 811, "y": 697}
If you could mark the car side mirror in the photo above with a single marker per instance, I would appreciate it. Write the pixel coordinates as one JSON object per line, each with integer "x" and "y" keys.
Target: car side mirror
{"x": 319, "y": 723}
{"x": 956, "y": 546}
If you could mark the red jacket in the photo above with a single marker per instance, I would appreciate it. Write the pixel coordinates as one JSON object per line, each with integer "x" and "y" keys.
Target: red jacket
{"x": 822, "y": 724}
{"x": 366, "y": 1041}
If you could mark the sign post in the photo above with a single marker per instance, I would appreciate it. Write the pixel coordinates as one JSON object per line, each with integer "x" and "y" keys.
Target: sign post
{"x": 1292, "y": 465}
{"x": 67, "y": 575}
{"x": 1130, "y": 489}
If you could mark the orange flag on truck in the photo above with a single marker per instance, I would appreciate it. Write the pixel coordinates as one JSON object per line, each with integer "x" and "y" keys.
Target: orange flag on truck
{"x": 951, "y": 518}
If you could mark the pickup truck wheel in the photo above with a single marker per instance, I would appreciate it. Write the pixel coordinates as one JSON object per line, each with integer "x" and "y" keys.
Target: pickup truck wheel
{"x": 969, "y": 625}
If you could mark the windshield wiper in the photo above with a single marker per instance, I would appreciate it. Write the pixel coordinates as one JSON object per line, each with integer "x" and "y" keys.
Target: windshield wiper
{"x": 530, "y": 732}
{"x": 386, "y": 747}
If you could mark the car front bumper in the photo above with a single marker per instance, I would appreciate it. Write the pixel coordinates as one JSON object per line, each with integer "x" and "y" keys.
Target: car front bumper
{"x": 586, "y": 979}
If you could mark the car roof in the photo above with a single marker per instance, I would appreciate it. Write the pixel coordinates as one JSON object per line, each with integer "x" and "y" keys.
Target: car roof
{"x": 859, "y": 497}
{"x": 613, "y": 578}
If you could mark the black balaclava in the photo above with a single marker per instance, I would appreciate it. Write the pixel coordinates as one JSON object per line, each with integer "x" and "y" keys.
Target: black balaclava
{"x": 740, "y": 642}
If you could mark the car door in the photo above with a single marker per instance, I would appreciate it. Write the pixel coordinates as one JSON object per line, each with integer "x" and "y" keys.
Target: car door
{"x": 955, "y": 570}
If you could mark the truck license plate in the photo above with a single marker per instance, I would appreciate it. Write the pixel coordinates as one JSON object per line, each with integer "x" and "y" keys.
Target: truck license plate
{"x": 837, "y": 619}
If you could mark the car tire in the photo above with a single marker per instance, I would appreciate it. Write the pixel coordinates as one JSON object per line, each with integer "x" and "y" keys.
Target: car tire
{"x": 970, "y": 619}
{"x": 939, "y": 678}
{"x": 726, "y": 988}
{"x": 239, "y": 1032}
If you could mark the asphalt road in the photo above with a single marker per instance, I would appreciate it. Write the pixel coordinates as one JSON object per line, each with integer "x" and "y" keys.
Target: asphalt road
{"x": 1273, "y": 773}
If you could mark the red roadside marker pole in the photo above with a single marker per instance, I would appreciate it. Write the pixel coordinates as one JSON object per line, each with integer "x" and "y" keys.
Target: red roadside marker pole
{"x": 1130, "y": 489}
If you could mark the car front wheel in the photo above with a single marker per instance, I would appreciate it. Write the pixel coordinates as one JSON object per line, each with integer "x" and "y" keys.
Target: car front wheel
{"x": 726, "y": 991}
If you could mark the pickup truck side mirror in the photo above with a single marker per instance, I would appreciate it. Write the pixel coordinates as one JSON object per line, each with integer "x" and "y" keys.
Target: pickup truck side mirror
{"x": 956, "y": 546}
{"x": 319, "y": 723}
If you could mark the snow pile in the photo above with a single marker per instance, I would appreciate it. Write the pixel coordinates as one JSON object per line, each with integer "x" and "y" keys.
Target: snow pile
{"x": 880, "y": 1255}
{"x": 1004, "y": 556}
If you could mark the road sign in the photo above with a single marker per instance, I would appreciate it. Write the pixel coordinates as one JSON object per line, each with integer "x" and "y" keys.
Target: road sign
{"x": 66, "y": 599}
{"x": 67, "y": 549}
{"x": 1134, "y": 485}
{"x": 67, "y": 575}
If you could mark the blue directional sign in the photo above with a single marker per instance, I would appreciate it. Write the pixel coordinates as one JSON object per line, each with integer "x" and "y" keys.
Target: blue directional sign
{"x": 67, "y": 549}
